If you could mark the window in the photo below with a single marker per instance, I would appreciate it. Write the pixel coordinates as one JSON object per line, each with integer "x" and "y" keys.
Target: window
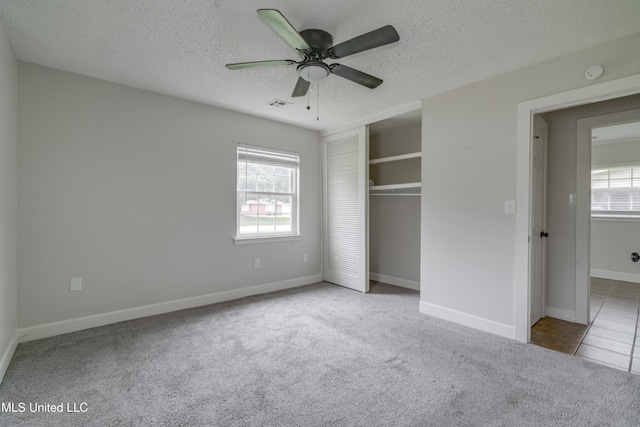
{"x": 616, "y": 190}
{"x": 267, "y": 200}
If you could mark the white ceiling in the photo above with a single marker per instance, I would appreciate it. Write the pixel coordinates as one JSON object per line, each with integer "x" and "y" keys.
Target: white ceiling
{"x": 180, "y": 48}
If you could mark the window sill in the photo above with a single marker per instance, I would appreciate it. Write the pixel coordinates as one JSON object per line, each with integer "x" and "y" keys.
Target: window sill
{"x": 619, "y": 218}
{"x": 266, "y": 239}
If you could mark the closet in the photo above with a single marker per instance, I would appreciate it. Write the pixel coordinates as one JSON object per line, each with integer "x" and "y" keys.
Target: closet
{"x": 395, "y": 183}
{"x": 371, "y": 203}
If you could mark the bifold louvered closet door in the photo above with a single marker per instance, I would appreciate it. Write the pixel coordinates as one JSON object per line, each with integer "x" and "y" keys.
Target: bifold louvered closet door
{"x": 345, "y": 246}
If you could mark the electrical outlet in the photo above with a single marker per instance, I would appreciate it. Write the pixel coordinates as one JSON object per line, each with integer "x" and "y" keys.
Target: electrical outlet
{"x": 257, "y": 263}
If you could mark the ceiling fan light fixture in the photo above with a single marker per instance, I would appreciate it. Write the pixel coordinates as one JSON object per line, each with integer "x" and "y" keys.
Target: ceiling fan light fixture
{"x": 313, "y": 72}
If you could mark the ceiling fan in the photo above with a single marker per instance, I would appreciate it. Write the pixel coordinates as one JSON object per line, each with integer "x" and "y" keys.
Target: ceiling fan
{"x": 314, "y": 46}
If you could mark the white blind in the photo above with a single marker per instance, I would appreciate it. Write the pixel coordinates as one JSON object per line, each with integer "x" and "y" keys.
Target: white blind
{"x": 616, "y": 190}
{"x": 267, "y": 157}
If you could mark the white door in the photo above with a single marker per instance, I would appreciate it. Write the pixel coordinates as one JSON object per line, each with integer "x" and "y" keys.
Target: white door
{"x": 346, "y": 177}
{"x": 539, "y": 235}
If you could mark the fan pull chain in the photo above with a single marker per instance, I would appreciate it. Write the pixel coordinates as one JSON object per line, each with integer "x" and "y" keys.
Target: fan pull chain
{"x": 318, "y": 103}
{"x": 308, "y": 95}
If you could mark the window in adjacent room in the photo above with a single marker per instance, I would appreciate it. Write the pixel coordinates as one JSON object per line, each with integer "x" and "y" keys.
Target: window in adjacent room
{"x": 615, "y": 190}
{"x": 267, "y": 198}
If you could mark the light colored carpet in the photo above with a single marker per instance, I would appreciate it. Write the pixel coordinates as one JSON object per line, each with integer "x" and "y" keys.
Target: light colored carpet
{"x": 316, "y": 355}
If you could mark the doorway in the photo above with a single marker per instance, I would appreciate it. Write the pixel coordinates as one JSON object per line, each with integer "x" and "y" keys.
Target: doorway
{"x": 614, "y": 143}
{"x": 526, "y": 110}
{"x": 614, "y": 290}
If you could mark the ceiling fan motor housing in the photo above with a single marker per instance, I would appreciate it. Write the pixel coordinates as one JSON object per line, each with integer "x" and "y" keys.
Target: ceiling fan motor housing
{"x": 319, "y": 41}
{"x": 312, "y": 69}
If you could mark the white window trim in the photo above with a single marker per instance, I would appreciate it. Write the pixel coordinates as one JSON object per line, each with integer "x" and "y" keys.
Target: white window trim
{"x": 265, "y": 239}
{"x": 615, "y": 218}
{"x": 295, "y": 206}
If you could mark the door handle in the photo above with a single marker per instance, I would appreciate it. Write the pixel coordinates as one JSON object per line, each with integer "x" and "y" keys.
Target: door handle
{"x": 543, "y": 234}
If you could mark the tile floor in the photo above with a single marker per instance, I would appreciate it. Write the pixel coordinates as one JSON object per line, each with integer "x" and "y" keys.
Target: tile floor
{"x": 612, "y": 338}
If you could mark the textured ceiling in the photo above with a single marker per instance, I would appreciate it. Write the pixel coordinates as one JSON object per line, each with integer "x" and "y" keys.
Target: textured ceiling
{"x": 179, "y": 48}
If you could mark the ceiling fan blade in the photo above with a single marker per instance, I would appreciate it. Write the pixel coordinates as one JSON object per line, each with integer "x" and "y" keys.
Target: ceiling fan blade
{"x": 375, "y": 38}
{"x": 279, "y": 23}
{"x": 256, "y": 64}
{"x": 356, "y": 76}
{"x": 301, "y": 87}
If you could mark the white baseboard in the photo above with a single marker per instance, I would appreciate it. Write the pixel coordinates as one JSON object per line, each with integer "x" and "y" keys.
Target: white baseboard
{"x": 72, "y": 325}
{"x": 560, "y": 313}
{"x": 396, "y": 281}
{"x": 466, "y": 319}
{"x": 7, "y": 355}
{"x": 615, "y": 275}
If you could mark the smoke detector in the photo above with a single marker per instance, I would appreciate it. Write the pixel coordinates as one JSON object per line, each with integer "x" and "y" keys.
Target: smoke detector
{"x": 594, "y": 72}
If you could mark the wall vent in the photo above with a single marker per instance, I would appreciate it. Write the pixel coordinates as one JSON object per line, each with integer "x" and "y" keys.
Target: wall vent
{"x": 278, "y": 103}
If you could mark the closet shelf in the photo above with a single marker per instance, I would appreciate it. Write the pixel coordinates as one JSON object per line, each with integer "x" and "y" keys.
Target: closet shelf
{"x": 391, "y": 187}
{"x": 407, "y": 189}
{"x": 395, "y": 158}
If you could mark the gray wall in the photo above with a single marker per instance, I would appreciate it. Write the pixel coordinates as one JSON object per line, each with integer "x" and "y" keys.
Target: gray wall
{"x": 8, "y": 201}
{"x": 135, "y": 192}
{"x": 469, "y": 169}
{"x": 561, "y": 218}
{"x": 394, "y": 221}
{"x": 616, "y": 153}
{"x": 612, "y": 243}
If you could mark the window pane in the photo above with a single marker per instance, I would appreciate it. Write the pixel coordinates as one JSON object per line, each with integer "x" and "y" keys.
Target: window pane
{"x": 600, "y": 179}
{"x": 635, "y": 201}
{"x": 247, "y": 219}
{"x": 265, "y": 183}
{"x": 282, "y": 184}
{"x": 283, "y": 214}
{"x": 600, "y": 185}
{"x": 620, "y": 178}
{"x": 619, "y": 201}
{"x": 600, "y": 174}
{"x": 265, "y": 213}
{"x": 282, "y": 171}
{"x": 242, "y": 176}
{"x": 252, "y": 182}
{"x": 599, "y": 200}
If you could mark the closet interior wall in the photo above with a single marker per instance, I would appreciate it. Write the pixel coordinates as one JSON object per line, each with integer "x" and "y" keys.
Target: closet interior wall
{"x": 394, "y": 215}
